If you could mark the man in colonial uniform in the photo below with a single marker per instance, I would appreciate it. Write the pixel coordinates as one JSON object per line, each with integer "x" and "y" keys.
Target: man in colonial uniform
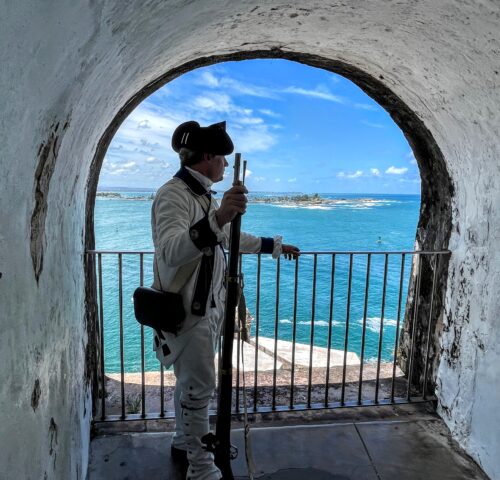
{"x": 190, "y": 232}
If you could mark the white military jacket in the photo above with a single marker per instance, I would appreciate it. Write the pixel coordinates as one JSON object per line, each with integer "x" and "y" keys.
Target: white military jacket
{"x": 185, "y": 235}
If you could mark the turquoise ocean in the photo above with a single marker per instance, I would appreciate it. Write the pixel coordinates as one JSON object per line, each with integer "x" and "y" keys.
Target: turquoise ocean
{"x": 355, "y": 222}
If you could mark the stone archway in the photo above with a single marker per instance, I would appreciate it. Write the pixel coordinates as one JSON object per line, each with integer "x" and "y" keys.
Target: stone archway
{"x": 72, "y": 72}
{"x": 434, "y": 225}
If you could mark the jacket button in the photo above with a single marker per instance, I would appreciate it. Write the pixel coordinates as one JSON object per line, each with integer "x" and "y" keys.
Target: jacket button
{"x": 207, "y": 251}
{"x": 194, "y": 234}
{"x": 196, "y": 305}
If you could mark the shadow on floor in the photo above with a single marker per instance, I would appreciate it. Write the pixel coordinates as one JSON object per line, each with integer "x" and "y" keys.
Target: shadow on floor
{"x": 398, "y": 447}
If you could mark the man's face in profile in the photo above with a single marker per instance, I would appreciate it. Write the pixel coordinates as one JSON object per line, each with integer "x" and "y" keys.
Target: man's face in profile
{"x": 217, "y": 165}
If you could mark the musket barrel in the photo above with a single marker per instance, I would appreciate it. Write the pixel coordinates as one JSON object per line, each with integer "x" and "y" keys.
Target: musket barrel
{"x": 223, "y": 426}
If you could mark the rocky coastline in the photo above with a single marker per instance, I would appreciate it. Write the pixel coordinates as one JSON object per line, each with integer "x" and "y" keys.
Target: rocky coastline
{"x": 304, "y": 200}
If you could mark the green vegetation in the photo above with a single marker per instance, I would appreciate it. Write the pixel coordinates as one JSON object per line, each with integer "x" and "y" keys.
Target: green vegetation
{"x": 302, "y": 198}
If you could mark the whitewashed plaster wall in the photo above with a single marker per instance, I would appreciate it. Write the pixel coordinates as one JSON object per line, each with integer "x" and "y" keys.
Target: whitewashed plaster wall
{"x": 67, "y": 70}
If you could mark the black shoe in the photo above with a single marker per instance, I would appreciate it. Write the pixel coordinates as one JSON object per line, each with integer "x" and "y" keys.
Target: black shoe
{"x": 179, "y": 459}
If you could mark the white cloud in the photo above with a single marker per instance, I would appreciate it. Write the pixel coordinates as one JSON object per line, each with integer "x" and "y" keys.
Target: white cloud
{"x": 292, "y": 180}
{"x": 209, "y": 79}
{"x": 321, "y": 93}
{"x": 375, "y": 172}
{"x": 259, "y": 179}
{"x": 246, "y": 140}
{"x": 235, "y": 86}
{"x": 366, "y": 106}
{"x": 217, "y": 102}
{"x": 249, "y": 140}
{"x": 396, "y": 171}
{"x": 371, "y": 124}
{"x": 356, "y": 174}
{"x": 411, "y": 156}
{"x": 277, "y": 180}
{"x": 133, "y": 157}
{"x": 247, "y": 89}
{"x": 248, "y": 172}
{"x": 269, "y": 113}
{"x": 251, "y": 121}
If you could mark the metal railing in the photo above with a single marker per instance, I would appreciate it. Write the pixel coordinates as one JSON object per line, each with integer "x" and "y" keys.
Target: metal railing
{"x": 325, "y": 333}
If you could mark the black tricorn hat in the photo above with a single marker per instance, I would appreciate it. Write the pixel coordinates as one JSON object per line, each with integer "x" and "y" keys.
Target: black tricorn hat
{"x": 212, "y": 139}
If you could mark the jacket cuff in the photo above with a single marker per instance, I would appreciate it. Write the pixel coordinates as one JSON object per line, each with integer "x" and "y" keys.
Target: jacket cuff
{"x": 202, "y": 235}
{"x": 278, "y": 246}
{"x": 214, "y": 226}
{"x": 266, "y": 245}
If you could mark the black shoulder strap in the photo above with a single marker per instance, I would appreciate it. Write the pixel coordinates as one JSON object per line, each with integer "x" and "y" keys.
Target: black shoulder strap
{"x": 205, "y": 273}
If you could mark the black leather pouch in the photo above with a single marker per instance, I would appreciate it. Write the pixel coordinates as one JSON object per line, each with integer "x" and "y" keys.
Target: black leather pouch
{"x": 159, "y": 310}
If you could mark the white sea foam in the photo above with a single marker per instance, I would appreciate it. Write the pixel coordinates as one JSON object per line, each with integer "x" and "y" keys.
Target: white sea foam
{"x": 317, "y": 207}
{"x": 373, "y": 323}
{"x": 332, "y": 204}
{"x": 318, "y": 323}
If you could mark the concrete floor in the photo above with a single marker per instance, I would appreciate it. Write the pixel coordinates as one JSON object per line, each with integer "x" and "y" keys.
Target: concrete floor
{"x": 398, "y": 447}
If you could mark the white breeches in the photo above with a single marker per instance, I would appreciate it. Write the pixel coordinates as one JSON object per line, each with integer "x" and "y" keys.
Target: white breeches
{"x": 195, "y": 384}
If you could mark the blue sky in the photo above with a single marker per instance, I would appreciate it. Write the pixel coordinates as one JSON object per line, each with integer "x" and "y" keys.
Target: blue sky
{"x": 300, "y": 128}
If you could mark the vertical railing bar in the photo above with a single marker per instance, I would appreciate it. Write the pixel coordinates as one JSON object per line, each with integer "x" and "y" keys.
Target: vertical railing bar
{"x": 143, "y": 360}
{"x": 437, "y": 261}
{"x": 120, "y": 307}
{"x": 311, "y": 342}
{"x": 412, "y": 360}
{"x": 330, "y": 323}
{"x": 346, "y": 339}
{"x": 238, "y": 337}
{"x": 294, "y": 332}
{"x": 162, "y": 391}
{"x": 276, "y": 322}
{"x": 414, "y": 327}
{"x": 257, "y": 325}
{"x": 363, "y": 333}
{"x": 101, "y": 320}
{"x": 381, "y": 333}
{"x": 398, "y": 320}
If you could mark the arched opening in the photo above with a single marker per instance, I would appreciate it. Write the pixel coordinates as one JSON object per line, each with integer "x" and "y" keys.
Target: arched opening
{"x": 90, "y": 60}
{"x": 435, "y": 214}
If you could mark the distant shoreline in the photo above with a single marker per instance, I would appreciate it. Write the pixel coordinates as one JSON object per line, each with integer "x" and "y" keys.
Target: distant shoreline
{"x": 309, "y": 200}
{"x": 314, "y": 199}
{"x": 119, "y": 196}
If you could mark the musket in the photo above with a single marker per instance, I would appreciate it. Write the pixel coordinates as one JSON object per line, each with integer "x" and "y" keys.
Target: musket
{"x": 224, "y": 452}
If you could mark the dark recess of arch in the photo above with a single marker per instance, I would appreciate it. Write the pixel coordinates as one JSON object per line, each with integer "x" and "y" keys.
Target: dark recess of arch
{"x": 434, "y": 225}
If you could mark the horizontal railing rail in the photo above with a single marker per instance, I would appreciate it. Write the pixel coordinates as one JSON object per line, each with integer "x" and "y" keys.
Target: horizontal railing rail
{"x": 325, "y": 334}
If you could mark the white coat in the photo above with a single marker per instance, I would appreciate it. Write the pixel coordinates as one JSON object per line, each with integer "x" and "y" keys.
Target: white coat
{"x": 184, "y": 228}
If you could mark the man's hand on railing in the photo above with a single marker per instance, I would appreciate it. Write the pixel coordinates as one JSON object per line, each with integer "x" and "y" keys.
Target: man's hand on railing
{"x": 290, "y": 252}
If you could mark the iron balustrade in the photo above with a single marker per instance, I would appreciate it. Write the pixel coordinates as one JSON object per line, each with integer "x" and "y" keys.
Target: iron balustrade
{"x": 372, "y": 378}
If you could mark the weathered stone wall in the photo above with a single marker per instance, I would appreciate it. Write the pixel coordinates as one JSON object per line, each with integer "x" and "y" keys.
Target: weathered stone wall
{"x": 70, "y": 68}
